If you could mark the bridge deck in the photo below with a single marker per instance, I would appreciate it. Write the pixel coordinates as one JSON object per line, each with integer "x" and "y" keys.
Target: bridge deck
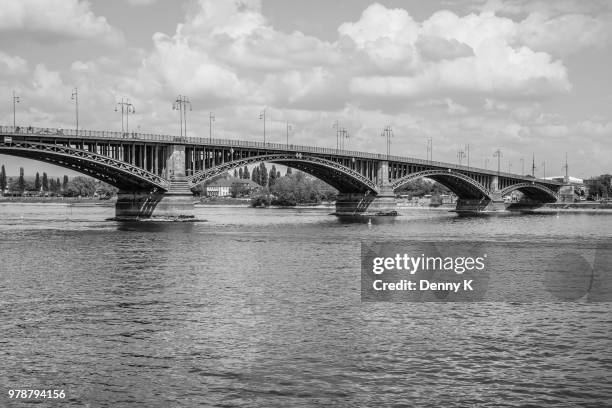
{"x": 58, "y": 133}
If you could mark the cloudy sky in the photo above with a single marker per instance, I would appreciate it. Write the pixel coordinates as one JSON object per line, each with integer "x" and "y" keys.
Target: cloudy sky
{"x": 526, "y": 77}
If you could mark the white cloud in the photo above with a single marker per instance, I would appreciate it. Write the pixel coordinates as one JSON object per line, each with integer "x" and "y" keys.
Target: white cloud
{"x": 12, "y": 65}
{"x": 485, "y": 61}
{"x": 387, "y": 36}
{"x": 563, "y": 35}
{"x": 64, "y": 18}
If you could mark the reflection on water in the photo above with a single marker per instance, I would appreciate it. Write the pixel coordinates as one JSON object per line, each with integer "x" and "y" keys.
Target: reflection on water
{"x": 262, "y": 308}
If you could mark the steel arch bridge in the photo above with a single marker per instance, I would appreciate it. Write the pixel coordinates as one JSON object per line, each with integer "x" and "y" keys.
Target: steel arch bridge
{"x": 165, "y": 165}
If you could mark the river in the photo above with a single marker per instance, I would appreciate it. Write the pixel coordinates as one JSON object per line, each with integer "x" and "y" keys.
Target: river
{"x": 262, "y": 308}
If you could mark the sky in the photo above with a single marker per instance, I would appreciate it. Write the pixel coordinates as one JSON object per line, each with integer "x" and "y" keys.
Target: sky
{"x": 530, "y": 78}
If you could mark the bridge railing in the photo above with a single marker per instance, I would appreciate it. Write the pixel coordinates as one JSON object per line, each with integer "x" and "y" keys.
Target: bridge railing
{"x": 105, "y": 134}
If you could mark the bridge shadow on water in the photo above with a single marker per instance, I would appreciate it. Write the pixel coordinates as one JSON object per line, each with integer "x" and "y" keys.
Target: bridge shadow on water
{"x": 155, "y": 226}
{"x": 375, "y": 220}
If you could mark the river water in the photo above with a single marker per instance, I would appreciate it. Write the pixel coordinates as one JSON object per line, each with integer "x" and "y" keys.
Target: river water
{"x": 262, "y": 308}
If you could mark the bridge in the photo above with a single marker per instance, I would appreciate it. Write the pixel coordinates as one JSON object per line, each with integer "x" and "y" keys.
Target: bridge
{"x": 155, "y": 174}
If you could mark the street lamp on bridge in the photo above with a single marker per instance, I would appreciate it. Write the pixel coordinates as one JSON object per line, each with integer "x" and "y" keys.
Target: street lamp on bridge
{"x": 388, "y": 133}
{"x": 336, "y": 126}
{"x": 75, "y": 98}
{"x": 262, "y": 116}
{"x": 288, "y": 129}
{"x": 344, "y": 134}
{"x": 181, "y": 105}
{"x": 126, "y": 109}
{"x": 467, "y": 149}
{"x": 430, "y": 149}
{"x": 566, "y": 168}
{"x": 15, "y": 101}
{"x": 522, "y": 166}
{"x": 544, "y": 169}
{"x": 499, "y": 155}
{"x": 211, "y": 119}
{"x": 460, "y": 156}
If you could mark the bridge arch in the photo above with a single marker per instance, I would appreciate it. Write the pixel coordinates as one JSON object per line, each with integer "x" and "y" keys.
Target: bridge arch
{"x": 460, "y": 184}
{"x": 344, "y": 179}
{"x": 532, "y": 191}
{"x": 115, "y": 172}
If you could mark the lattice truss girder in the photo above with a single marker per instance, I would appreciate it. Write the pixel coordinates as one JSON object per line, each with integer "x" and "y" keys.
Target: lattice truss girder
{"x": 113, "y": 171}
{"x": 334, "y": 173}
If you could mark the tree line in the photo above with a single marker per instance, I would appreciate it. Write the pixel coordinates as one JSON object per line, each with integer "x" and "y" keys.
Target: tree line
{"x": 66, "y": 187}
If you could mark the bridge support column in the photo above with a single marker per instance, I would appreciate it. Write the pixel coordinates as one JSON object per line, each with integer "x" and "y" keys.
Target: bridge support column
{"x": 175, "y": 204}
{"x": 370, "y": 204}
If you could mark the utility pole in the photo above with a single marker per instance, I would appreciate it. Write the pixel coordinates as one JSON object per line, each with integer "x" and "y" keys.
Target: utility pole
{"x": 15, "y": 101}
{"x": 75, "y": 98}
{"x": 126, "y": 109}
{"x": 262, "y": 115}
{"x": 180, "y": 104}
{"x": 388, "y": 133}
{"x": 211, "y": 119}
{"x": 288, "y": 129}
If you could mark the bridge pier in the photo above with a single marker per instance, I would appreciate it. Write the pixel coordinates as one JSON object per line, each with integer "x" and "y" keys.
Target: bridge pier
{"x": 175, "y": 204}
{"x": 370, "y": 204}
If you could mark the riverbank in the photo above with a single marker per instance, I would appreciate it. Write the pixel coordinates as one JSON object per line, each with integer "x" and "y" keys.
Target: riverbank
{"x": 588, "y": 207}
{"x": 57, "y": 200}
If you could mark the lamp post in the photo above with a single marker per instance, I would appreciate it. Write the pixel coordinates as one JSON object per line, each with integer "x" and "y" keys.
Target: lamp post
{"x": 544, "y": 169}
{"x": 499, "y": 155}
{"x": 509, "y": 166}
{"x": 262, "y": 115}
{"x": 388, "y": 133}
{"x": 15, "y": 101}
{"x": 486, "y": 162}
{"x": 344, "y": 134}
{"x": 460, "y": 156}
{"x": 430, "y": 149}
{"x": 288, "y": 129}
{"x": 75, "y": 98}
{"x": 522, "y": 166}
{"x": 126, "y": 109}
{"x": 336, "y": 126}
{"x": 180, "y": 104}
{"x": 211, "y": 119}
{"x": 566, "y": 168}
{"x": 467, "y": 150}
